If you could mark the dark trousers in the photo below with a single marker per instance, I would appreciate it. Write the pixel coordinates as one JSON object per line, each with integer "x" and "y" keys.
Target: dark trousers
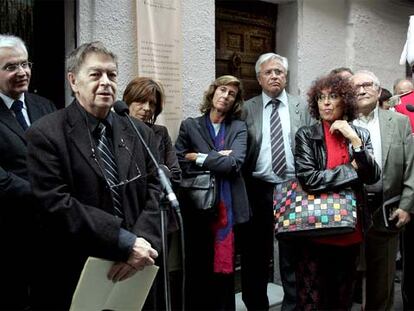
{"x": 380, "y": 252}
{"x": 407, "y": 289}
{"x": 18, "y": 245}
{"x": 325, "y": 276}
{"x": 288, "y": 249}
{"x": 204, "y": 289}
{"x": 256, "y": 245}
{"x": 381, "y": 248}
{"x": 56, "y": 273}
{"x": 15, "y": 279}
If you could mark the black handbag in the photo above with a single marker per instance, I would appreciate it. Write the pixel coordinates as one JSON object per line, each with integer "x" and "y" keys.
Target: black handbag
{"x": 298, "y": 213}
{"x": 200, "y": 191}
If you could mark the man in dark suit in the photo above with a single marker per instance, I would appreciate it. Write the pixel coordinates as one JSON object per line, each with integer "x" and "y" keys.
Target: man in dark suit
{"x": 95, "y": 180}
{"x": 257, "y": 234}
{"x": 16, "y": 220}
{"x": 393, "y": 146}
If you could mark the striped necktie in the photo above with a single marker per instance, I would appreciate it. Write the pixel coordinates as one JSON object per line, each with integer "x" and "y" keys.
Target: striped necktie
{"x": 276, "y": 138}
{"x": 110, "y": 168}
{"x": 17, "y": 107}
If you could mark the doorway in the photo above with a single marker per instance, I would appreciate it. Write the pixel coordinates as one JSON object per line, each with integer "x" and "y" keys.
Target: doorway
{"x": 41, "y": 24}
{"x": 244, "y": 30}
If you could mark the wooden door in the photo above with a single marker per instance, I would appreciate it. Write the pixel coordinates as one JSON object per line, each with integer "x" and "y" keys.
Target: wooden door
{"x": 41, "y": 24}
{"x": 244, "y": 30}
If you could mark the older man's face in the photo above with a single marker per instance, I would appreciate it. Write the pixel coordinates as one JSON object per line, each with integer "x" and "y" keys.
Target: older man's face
{"x": 14, "y": 83}
{"x": 272, "y": 77}
{"x": 95, "y": 84}
{"x": 402, "y": 87}
{"x": 367, "y": 92}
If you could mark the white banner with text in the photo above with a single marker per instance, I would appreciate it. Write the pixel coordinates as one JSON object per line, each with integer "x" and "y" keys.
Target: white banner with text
{"x": 159, "y": 38}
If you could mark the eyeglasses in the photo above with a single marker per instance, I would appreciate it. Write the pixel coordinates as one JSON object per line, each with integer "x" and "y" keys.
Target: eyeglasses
{"x": 136, "y": 172}
{"x": 330, "y": 97}
{"x": 365, "y": 85}
{"x": 15, "y": 67}
{"x": 269, "y": 72}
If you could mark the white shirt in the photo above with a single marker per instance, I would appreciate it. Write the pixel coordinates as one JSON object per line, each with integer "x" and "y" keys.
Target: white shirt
{"x": 371, "y": 123}
{"x": 9, "y": 102}
{"x": 263, "y": 168}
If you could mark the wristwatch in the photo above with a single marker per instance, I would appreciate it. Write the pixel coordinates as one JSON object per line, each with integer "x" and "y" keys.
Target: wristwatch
{"x": 357, "y": 149}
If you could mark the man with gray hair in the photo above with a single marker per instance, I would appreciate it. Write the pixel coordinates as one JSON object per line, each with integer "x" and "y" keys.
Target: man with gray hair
{"x": 18, "y": 110}
{"x": 272, "y": 118}
{"x": 391, "y": 200}
{"x": 95, "y": 180}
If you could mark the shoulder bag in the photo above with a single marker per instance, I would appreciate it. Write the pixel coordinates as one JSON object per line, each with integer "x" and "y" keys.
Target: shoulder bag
{"x": 298, "y": 213}
{"x": 200, "y": 190}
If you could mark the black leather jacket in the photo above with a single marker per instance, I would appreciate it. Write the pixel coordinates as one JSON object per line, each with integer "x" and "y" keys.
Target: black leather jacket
{"x": 310, "y": 161}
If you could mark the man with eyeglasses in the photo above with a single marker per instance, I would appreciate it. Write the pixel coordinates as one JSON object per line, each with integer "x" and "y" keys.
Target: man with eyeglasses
{"x": 391, "y": 200}
{"x": 96, "y": 182}
{"x": 18, "y": 110}
{"x": 269, "y": 161}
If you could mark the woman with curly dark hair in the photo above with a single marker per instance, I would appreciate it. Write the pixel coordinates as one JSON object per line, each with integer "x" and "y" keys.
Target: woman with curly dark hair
{"x": 330, "y": 155}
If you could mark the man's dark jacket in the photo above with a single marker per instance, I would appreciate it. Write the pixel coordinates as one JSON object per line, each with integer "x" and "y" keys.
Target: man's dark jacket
{"x": 17, "y": 205}
{"x": 75, "y": 197}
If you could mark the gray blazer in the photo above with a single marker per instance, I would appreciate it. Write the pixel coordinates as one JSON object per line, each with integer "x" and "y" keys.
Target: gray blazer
{"x": 253, "y": 115}
{"x": 397, "y": 158}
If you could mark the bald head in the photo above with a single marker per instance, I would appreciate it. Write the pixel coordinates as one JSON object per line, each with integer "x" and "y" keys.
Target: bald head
{"x": 403, "y": 86}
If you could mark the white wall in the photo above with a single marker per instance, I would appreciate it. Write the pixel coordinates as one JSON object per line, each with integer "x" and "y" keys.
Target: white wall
{"x": 380, "y": 31}
{"x": 286, "y": 43}
{"x": 359, "y": 34}
{"x": 321, "y": 39}
{"x": 114, "y": 23}
{"x": 199, "y": 64}
{"x": 315, "y": 35}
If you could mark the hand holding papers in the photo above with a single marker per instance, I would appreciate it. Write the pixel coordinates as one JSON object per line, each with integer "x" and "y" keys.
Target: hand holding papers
{"x": 142, "y": 255}
{"x": 95, "y": 292}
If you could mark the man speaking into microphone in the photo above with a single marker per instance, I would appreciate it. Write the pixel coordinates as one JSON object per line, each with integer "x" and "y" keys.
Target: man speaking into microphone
{"x": 96, "y": 182}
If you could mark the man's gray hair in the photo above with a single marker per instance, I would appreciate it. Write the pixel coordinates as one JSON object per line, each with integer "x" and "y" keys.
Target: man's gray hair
{"x": 76, "y": 58}
{"x": 372, "y": 75}
{"x": 10, "y": 41}
{"x": 270, "y": 56}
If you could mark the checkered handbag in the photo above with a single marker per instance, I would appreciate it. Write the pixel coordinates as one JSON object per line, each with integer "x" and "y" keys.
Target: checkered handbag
{"x": 303, "y": 214}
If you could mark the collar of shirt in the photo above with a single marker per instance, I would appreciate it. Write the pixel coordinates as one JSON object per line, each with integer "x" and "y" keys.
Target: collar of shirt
{"x": 372, "y": 116}
{"x": 93, "y": 122}
{"x": 9, "y": 101}
{"x": 282, "y": 97}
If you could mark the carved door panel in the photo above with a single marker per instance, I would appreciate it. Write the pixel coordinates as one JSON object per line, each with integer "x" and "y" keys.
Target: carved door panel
{"x": 244, "y": 30}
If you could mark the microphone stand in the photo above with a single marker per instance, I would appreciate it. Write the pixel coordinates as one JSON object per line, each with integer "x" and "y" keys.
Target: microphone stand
{"x": 172, "y": 199}
{"x": 164, "y": 243}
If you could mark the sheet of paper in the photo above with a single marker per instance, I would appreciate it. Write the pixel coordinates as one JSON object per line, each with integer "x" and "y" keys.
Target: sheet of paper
{"x": 95, "y": 292}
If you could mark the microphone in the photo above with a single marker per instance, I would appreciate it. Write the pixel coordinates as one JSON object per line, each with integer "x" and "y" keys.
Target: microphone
{"x": 410, "y": 107}
{"x": 122, "y": 109}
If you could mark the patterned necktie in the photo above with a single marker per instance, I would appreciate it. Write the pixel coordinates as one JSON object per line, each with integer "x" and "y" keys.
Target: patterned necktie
{"x": 276, "y": 138}
{"x": 17, "y": 108}
{"x": 110, "y": 168}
